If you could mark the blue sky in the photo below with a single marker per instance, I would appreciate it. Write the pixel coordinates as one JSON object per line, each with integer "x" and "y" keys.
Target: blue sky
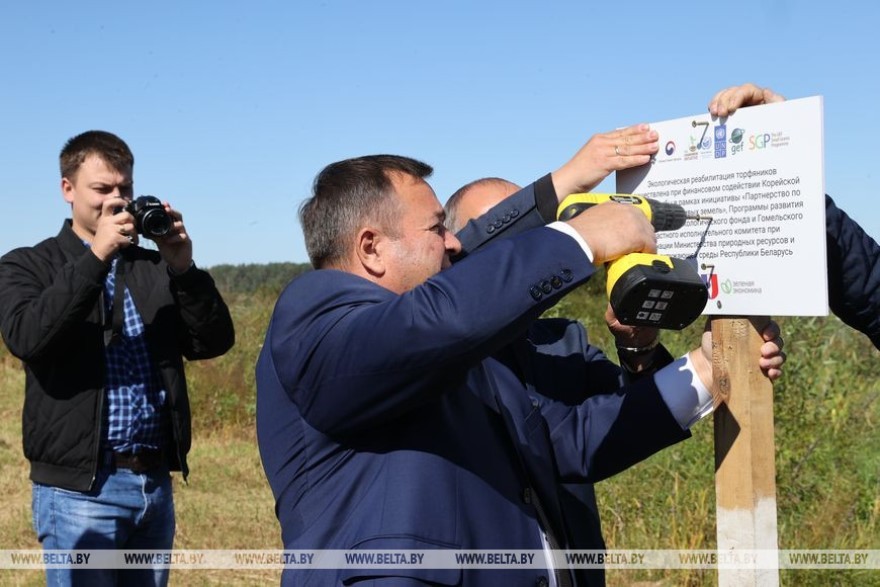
{"x": 232, "y": 108}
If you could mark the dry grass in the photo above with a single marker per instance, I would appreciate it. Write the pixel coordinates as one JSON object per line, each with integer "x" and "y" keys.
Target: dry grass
{"x": 226, "y": 504}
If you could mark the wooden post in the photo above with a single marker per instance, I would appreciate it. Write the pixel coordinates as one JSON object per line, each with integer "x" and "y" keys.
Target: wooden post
{"x": 745, "y": 455}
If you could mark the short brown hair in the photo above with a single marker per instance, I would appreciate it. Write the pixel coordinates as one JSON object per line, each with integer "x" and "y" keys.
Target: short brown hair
{"x": 110, "y": 148}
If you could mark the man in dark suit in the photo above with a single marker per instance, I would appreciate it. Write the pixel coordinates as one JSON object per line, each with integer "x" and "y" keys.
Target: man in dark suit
{"x": 390, "y": 414}
{"x": 546, "y": 355}
{"x": 853, "y": 272}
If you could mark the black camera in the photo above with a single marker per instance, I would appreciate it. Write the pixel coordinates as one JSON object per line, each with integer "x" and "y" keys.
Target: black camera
{"x": 150, "y": 217}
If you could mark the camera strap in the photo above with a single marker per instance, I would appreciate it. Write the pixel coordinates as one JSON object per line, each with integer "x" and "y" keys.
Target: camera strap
{"x": 118, "y": 319}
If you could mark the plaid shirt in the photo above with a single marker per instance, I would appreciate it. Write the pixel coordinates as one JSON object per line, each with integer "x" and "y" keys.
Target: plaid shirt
{"x": 134, "y": 416}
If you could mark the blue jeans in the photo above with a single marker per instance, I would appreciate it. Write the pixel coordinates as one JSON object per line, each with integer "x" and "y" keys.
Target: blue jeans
{"x": 124, "y": 510}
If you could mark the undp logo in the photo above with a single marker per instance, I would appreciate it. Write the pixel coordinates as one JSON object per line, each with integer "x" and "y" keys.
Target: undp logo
{"x": 670, "y": 148}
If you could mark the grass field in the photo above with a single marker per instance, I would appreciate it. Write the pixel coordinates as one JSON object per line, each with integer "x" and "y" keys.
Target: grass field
{"x": 827, "y": 457}
{"x": 226, "y": 504}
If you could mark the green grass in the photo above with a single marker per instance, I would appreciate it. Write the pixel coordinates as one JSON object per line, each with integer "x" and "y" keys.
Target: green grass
{"x": 827, "y": 417}
{"x": 827, "y": 421}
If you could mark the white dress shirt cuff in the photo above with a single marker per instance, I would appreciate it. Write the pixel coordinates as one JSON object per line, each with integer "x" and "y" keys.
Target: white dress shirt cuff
{"x": 684, "y": 393}
{"x": 567, "y": 229}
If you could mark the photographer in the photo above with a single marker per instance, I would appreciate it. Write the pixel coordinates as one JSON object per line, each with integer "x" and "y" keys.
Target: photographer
{"x": 102, "y": 327}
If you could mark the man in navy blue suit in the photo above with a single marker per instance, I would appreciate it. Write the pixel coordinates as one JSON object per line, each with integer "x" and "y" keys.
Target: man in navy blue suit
{"x": 391, "y": 409}
{"x": 549, "y": 345}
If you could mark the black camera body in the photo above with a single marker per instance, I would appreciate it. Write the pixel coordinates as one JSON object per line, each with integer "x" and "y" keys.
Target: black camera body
{"x": 150, "y": 217}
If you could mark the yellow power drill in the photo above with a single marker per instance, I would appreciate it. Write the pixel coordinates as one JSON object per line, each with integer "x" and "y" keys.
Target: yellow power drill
{"x": 647, "y": 289}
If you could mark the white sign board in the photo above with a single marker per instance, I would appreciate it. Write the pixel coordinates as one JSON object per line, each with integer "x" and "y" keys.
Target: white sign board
{"x": 759, "y": 175}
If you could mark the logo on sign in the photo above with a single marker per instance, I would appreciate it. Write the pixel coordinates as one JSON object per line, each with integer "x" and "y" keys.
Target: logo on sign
{"x": 736, "y": 141}
{"x": 711, "y": 281}
{"x": 720, "y": 141}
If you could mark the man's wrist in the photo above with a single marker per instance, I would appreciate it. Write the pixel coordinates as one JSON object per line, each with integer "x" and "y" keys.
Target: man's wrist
{"x": 636, "y": 359}
{"x": 638, "y": 350}
{"x": 684, "y": 392}
{"x": 562, "y": 182}
{"x": 176, "y": 272}
{"x": 570, "y": 231}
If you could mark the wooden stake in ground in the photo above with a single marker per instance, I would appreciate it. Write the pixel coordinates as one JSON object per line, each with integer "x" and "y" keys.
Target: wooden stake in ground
{"x": 745, "y": 450}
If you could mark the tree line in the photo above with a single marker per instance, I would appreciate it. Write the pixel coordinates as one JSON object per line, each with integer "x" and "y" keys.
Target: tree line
{"x": 256, "y": 277}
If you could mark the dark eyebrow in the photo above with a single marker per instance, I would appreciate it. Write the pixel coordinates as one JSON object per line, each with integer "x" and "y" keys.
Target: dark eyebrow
{"x": 121, "y": 184}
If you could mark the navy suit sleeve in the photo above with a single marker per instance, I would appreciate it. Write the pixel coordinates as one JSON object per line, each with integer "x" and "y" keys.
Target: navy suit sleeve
{"x": 853, "y": 272}
{"x": 611, "y": 432}
{"x": 561, "y": 364}
{"x": 533, "y": 206}
{"x": 598, "y": 427}
{"x": 368, "y": 355}
{"x": 661, "y": 359}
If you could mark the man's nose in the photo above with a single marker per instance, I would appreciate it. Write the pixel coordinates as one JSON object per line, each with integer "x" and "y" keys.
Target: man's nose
{"x": 453, "y": 245}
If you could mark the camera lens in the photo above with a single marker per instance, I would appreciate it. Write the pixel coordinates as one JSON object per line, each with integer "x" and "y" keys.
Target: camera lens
{"x": 150, "y": 217}
{"x": 155, "y": 223}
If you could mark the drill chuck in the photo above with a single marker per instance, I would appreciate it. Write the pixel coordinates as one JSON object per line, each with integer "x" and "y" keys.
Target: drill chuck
{"x": 667, "y": 216}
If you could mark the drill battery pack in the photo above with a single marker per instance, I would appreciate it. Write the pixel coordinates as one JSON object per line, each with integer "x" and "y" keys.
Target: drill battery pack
{"x": 655, "y": 290}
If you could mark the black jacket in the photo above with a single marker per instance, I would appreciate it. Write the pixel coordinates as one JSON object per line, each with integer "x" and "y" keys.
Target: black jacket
{"x": 853, "y": 272}
{"x": 52, "y": 318}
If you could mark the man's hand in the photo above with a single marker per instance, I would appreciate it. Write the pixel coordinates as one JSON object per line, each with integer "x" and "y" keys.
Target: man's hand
{"x": 629, "y": 338}
{"x": 771, "y": 360}
{"x": 725, "y": 102}
{"x": 612, "y": 230}
{"x": 115, "y": 229}
{"x": 603, "y": 154}
{"x": 772, "y": 355}
{"x": 176, "y": 246}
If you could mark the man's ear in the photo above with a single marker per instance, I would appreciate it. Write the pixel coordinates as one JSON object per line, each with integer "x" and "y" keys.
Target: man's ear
{"x": 67, "y": 190}
{"x": 370, "y": 245}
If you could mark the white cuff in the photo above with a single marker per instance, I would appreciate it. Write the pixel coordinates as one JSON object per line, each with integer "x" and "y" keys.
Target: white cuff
{"x": 684, "y": 393}
{"x": 567, "y": 229}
